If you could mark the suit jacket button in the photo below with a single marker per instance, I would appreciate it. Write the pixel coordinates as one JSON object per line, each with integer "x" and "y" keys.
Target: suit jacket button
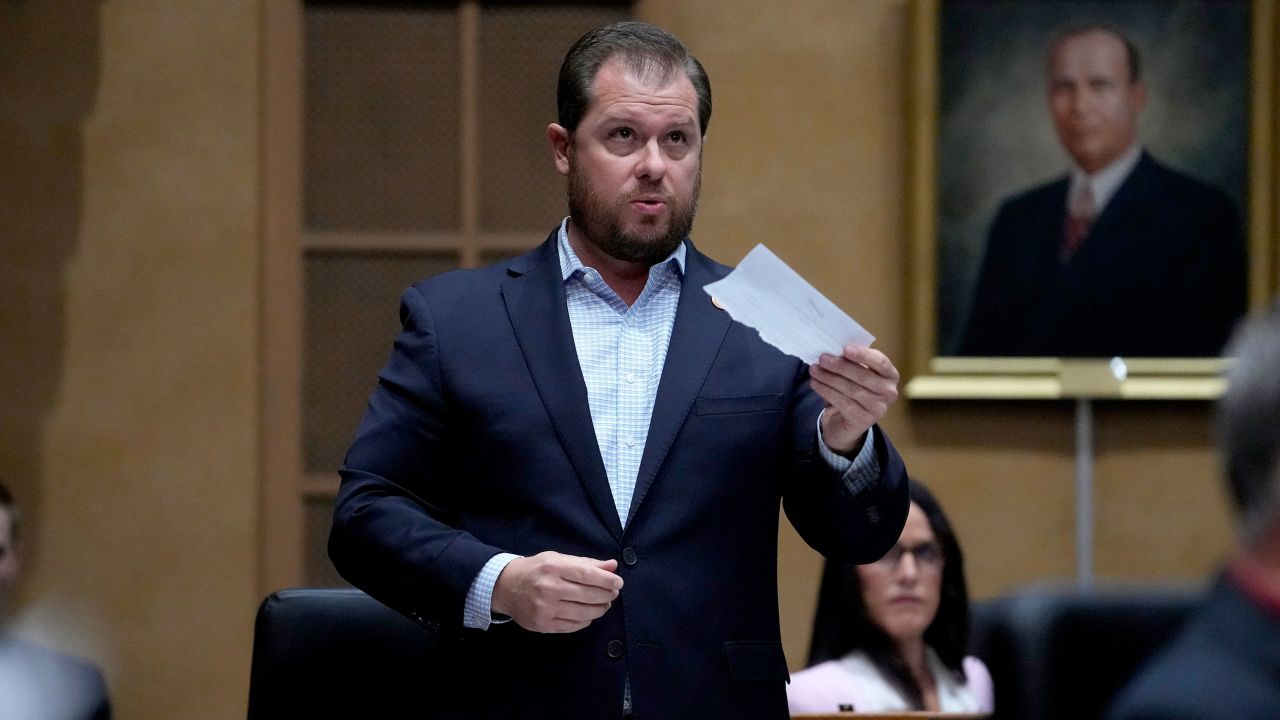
{"x": 629, "y": 556}
{"x": 614, "y": 649}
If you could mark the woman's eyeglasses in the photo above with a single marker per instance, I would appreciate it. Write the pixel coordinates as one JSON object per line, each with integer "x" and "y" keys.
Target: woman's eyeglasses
{"x": 928, "y": 557}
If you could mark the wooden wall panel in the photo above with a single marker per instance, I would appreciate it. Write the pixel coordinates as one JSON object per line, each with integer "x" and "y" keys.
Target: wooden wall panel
{"x": 129, "y": 403}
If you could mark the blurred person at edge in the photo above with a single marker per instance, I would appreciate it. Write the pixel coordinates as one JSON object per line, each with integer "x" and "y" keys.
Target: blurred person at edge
{"x": 892, "y": 635}
{"x": 37, "y": 683}
{"x": 1225, "y": 661}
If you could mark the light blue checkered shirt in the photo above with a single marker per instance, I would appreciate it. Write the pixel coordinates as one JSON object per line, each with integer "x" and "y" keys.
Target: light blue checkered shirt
{"x": 621, "y": 351}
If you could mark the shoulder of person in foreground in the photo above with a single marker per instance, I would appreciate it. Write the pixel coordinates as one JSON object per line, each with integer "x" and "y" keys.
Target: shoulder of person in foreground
{"x": 1206, "y": 672}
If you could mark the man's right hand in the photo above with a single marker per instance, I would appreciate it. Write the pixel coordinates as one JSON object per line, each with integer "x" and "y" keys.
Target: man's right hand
{"x": 554, "y": 593}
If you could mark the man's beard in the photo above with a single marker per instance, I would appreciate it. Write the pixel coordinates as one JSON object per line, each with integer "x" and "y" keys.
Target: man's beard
{"x": 599, "y": 220}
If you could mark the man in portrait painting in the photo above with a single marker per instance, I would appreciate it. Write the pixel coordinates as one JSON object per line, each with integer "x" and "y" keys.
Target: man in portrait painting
{"x": 1124, "y": 256}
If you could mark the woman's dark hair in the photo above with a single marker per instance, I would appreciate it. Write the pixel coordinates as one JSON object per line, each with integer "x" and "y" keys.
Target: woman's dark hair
{"x": 841, "y": 623}
{"x": 648, "y": 51}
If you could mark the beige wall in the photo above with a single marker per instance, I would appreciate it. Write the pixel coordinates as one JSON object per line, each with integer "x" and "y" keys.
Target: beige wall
{"x": 128, "y": 167}
{"x": 129, "y": 254}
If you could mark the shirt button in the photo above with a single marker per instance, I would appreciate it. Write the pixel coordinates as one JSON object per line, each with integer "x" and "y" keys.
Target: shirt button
{"x": 630, "y": 443}
{"x": 614, "y": 649}
{"x": 629, "y": 556}
{"x": 631, "y": 377}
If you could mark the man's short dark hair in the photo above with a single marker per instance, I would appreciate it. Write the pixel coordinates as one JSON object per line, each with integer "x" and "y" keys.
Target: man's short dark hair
{"x": 1248, "y": 418}
{"x": 1131, "y": 50}
{"x": 649, "y": 52}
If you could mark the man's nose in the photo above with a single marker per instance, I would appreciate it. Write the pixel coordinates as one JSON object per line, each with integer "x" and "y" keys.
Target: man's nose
{"x": 1081, "y": 101}
{"x": 650, "y": 162}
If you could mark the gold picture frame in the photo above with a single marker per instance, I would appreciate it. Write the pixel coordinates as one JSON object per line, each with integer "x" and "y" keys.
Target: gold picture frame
{"x": 935, "y": 373}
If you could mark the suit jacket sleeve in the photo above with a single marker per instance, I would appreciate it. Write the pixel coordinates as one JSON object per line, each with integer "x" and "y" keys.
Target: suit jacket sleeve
{"x": 393, "y": 533}
{"x": 846, "y": 525}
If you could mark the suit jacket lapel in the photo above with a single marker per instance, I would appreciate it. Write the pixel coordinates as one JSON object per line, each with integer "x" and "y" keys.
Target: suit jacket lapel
{"x": 534, "y": 296}
{"x": 1134, "y": 191}
{"x": 699, "y": 330}
{"x": 1112, "y": 240}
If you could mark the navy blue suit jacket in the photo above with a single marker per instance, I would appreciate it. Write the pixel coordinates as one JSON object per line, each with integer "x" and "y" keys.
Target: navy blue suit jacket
{"x": 478, "y": 439}
{"x": 1225, "y": 663}
{"x": 1162, "y": 273}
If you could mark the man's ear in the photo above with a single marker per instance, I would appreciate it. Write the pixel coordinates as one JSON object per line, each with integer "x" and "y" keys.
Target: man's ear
{"x": 559, "y": 140}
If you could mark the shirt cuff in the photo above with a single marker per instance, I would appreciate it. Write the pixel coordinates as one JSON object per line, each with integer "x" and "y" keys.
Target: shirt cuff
{"x": 859, "y": 473}
{"x": 477, "y": 610}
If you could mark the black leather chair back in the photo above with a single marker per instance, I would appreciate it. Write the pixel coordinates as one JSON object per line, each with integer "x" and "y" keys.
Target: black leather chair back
{"x": 1064, "y": 654}
{"x": 338, "y": 653}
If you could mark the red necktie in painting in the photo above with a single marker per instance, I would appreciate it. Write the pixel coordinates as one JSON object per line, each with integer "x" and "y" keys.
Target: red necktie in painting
{"x": 1080, "y": 216}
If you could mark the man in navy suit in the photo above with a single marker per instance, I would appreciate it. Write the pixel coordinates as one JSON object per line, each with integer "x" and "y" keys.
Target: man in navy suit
{"x": 1225, "y": 662}
{"x": 572, "y": 465}
{"x": 1125, "y": 256}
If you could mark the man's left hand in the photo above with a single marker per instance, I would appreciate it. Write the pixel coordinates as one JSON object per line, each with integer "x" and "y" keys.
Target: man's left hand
{"x": 858, "y": 388}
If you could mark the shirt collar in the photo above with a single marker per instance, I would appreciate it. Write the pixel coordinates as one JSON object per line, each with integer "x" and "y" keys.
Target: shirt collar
{"x": 570, "y": 263}
{"x": 1106, "y": 181}
{"x": 1256, "y": 580}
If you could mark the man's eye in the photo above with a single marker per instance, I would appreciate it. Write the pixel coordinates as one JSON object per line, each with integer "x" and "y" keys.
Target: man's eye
{"x": 676, "y": 137}
{"x": 622, "y": 133}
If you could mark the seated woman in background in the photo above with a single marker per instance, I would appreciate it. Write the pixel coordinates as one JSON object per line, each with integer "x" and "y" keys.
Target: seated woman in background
{"x": 891, "y": 636}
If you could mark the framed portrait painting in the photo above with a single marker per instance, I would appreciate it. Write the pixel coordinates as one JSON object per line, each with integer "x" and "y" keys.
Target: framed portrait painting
{"x": 1092, "y": 193}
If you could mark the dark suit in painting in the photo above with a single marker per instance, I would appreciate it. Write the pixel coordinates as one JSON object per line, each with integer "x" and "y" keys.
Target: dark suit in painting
{"x": 1161, "y": 273}
{"x": 479, "y": 439}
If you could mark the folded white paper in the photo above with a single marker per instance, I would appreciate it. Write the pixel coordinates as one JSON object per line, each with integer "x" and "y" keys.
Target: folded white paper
{"x": 789, "y": 313}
